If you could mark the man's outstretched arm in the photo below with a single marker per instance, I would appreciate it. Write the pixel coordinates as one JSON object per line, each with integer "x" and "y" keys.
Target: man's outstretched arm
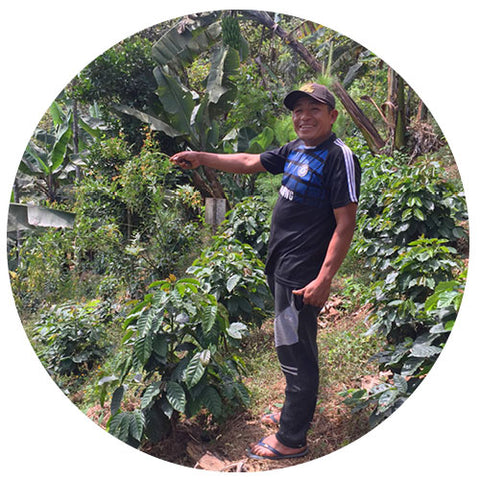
{"x": 228, "y": 162}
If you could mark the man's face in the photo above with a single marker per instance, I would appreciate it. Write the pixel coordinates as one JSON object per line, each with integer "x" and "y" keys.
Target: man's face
{"x": 313, "y": 121}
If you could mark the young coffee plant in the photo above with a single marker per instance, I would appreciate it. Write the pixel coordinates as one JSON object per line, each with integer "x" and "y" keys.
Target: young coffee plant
{"x": 231, "y": 272}
{"x": 70, "y": 338}
{"x": 401, "y": 203}
{"x": 249, "y": 223}
{"x": 415, "y": 309}
{"x": 180, "y": 356}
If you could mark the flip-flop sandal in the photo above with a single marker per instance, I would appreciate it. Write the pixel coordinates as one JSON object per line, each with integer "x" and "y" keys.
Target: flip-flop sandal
{"x": 270, "y": 419}
{"x": 276, "y": 454}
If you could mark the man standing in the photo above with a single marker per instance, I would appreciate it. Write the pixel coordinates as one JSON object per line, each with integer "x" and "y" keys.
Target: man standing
{"x": 312, "y": 227}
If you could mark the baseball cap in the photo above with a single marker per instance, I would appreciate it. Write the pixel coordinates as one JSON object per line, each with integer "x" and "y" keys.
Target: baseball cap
{"x": 314, "y": 90}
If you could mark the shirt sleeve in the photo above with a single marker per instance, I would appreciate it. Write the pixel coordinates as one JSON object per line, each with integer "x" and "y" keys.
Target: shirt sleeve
{"x": 343, "y": 177}
{"x": 274, "y": 160}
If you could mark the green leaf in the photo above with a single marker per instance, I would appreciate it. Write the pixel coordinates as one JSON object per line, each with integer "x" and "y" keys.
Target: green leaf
{"x": 149, "y": 395}
{"x": 180, "y": 46}
{"x": 117, "y": 397}
{"x": 423, "y": 351}
{"x": 119, "y": 425}
{"x": 211, "y": 399}
{"x": 386, "y": 399}
{"x": 176, "y": 396}
{"x": 137, "y": 425}
{"x": 142, "y": 349}
{"x": 205, "y": 357}
{"x": 209, "y": 315}
{"x": 155, "y": 123}
{"x": 177, "y": 101}
{"x": 232, "y": 282}
{"x": 400, "y": 382}
{"x": 419, "y": 214}
{"x": 411, "y": 365}
{"x": 237, "y": 330}
{"x": 160, "y": 346}
{"x": 59, "y": 150}
{"x": 194, "y": 370}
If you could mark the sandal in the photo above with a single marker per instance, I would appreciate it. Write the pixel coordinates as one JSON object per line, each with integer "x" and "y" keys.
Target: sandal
{"x": 276, "y": 454}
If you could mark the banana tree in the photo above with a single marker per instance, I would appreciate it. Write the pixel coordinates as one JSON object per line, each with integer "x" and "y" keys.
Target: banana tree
{"x": 46, "y": 158}
{"x": 191, "y": 120}
{"x": 51, "y": 156}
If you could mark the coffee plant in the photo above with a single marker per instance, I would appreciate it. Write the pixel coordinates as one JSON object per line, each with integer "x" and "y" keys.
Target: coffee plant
{"x": 181, "y": 358}
{"x": 412, "y": 358}
{"x": 249, "y": 222}
{"x": 231, "y": 271}
{"x": 70, "y": 338}
{"x": 399, "y": 204}
{"x": 410, "y": 219}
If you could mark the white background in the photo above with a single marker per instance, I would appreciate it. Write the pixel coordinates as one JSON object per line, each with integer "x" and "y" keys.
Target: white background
{"x": 432, "y": 44}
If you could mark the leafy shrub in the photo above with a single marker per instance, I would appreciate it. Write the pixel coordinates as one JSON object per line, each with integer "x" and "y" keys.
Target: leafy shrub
{"x": 43, "y": 270}
{"x": 129, "y": 224}
{"x": 400, "y": 300}
{"x": 71, "y": 338}
{"x": 176, "y": 338}
{"x": 249, "y": 223}
{"x": 400, "y": 203}
{"x": 415, "y": 308}
{"x": 231, "y": 272}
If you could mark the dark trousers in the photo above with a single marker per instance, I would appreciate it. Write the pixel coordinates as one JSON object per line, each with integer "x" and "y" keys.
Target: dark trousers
{"x": 296, "y": 344}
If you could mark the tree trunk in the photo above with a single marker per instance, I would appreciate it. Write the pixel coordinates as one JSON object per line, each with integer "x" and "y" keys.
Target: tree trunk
{"x": 396, "y": 108}
{"x": 399, "y": 140}
{"x": 78, "y": 172}
{"x": 210, "y": 188}
{"x": 373, "y": 138}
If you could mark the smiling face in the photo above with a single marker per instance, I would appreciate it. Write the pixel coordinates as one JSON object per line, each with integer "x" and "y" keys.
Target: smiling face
{"x": 313, "y": 120}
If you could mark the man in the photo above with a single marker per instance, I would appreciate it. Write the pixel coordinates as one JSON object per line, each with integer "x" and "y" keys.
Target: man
{"x": 312, "y": 227}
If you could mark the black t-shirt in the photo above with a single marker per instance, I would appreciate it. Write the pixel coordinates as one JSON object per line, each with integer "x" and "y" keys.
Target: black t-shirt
{"x": 316, "y": 180}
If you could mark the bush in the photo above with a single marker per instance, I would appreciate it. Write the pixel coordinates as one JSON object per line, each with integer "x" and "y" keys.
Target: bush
{"x": 413, "y": 357}
{"x": 249, "y": 223}
{"x": 176, "y": 338}
{"x": 410, "y": 218}
{"x": 401, "y": 203}
{"x": 415, "y": 309}
{"x": 71, "y": 338}
{"x": 43, "y": 270}
{"x": 232, "y": 272}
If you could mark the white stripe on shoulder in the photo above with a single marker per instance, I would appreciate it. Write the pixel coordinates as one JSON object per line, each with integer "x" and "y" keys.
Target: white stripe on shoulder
{"x": 350, "y": 168}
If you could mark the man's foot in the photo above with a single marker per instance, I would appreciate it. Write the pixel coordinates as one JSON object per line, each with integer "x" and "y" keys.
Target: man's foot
{"x": 271, "y": 419}
{"x": 271, "y": 449}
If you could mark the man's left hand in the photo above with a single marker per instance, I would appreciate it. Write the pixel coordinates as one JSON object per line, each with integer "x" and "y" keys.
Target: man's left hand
{"x": 315, "y": 293}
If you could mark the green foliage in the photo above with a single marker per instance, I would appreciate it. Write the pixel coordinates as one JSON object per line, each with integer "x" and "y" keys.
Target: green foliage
{"x": 400, "y": 203}
{"x": 129, "y": 223}
{"x": 410, "y": 218}
{"x": 249, "y": 222}
{"x": 71, "y": 338}
{"x": 231, "y": 271}
{"x": 417, "y": 355}
{"x": 46, "y": 157}
{"x": 415, "y": 309}
{"x": 42, "y": 273}
{"x": 176, "y": 339}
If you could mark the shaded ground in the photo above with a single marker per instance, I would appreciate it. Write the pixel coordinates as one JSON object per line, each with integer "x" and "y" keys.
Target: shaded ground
{"x": 224, "y": 448}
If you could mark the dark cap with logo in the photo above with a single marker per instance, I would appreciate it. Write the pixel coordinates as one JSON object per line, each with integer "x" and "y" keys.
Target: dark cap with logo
{"x": 320, "y": 93}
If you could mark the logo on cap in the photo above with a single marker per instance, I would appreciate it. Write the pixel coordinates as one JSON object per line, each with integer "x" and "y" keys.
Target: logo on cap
{"x": 308, "y": 88}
